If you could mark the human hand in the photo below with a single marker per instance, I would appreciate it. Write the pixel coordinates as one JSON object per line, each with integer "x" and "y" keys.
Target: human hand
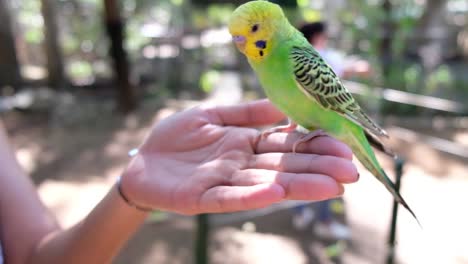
{"x": 207, "y": 160}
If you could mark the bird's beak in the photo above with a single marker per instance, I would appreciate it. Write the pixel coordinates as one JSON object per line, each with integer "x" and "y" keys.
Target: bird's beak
{"x": 239, "y": 41}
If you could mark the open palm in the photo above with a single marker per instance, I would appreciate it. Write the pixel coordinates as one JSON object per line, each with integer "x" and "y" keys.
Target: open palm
{"x": 207, "y": 159}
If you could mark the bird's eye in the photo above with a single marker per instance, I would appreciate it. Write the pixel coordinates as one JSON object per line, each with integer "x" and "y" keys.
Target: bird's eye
{"x": 255, "y": 28}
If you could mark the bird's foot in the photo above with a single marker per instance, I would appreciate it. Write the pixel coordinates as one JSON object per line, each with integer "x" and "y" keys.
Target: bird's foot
{"x": 285, "y": 129}
{"x": 309, "y": 136}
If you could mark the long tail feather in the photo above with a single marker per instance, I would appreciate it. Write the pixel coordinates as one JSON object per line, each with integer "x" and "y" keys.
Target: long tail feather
{"x": 376, "y": 143}
{"x": 391, "y": 187}
{"x": 365, "y": 155}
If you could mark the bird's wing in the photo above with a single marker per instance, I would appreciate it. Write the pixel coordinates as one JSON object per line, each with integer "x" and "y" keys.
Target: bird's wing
{"x": 318, "y": 81}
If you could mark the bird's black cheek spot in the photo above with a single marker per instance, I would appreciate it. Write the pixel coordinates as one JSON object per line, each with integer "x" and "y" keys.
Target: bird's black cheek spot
{"x": 261, "y": 44}
{"x": 261, "y": 53}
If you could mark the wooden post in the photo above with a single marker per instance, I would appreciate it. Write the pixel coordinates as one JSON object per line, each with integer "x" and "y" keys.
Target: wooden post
{"x": 388, "y": 29}
{"x": 399, "y": 163}
{"x": 9, "y": 66}
{"x": 126, "y": 97}
{"x": 55, "y": 66}
{"x": 201, "y": 243}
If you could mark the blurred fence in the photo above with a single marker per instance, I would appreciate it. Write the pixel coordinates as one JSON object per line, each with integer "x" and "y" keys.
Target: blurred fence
{"x": 428, "y": 102}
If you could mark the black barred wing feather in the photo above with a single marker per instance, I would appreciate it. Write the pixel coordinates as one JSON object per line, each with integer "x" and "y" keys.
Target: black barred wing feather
{"x": 317, "y": 80}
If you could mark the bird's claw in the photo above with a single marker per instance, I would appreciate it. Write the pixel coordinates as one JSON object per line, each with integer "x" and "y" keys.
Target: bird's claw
{"x": 284, "y": 129}
{"x": 308, "y": 137}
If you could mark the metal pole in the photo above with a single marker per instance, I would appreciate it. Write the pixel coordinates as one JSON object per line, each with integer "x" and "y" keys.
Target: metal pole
{"x": 201, "y": 243}
{"x": 399, "y": 163}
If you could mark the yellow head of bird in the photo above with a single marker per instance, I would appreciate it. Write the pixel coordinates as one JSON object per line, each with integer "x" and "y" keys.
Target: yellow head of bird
{"x": 253, "y": 26}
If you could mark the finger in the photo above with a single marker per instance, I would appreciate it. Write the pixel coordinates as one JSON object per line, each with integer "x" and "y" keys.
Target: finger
{"x": 342, "y": 170}
{"x": 283, "y": 142}
{"x": 256, "y": 113}
{"x": 297, "y": 186}
{"x": 237, "y": 198}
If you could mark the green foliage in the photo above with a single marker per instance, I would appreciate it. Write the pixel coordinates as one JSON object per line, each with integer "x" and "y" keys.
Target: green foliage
{"x": 302, "y": 3}
{"x": 406, "y": 15}
{"x": 215, "y": 15}
{"x": 34, "y": 35}
{"x": 83, "y": 37}
{"x": 363, "y": 22}
{"x": 441, "y": 78}
{"x": 30, "y": 20}
{"x": 177, "y": 2}
{"x": 208, "y": 80}
{"x": 218, "y": 15}
{"x": 412, "y": 77}
{"x": 311, "y": 15}
{"x": 134, "y": 39}
{"x": 80, "y": 69}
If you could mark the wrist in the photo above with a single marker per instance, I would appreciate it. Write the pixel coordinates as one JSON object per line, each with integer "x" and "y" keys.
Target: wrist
{"x": 129, "y": 185}
{"x": 127, "y": 200}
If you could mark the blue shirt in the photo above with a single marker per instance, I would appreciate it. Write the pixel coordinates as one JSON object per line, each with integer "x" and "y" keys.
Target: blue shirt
{"x": 334, "y": 59}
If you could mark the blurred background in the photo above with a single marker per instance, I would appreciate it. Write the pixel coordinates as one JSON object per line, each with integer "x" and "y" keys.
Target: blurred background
{"x": 82, "y": 81}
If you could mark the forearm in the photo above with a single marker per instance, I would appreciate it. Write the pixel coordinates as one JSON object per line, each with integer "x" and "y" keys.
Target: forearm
{"x": 30, "y": 234}
{"x": 24, "y": 220}
{"x": 97, "y": 238}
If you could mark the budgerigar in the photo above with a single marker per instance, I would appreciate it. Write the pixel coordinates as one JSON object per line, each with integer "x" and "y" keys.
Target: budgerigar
{"x": 299, "y": 82}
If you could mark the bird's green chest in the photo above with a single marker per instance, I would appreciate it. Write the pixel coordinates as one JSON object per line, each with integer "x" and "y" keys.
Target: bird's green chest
{"x": 277, "y": 79}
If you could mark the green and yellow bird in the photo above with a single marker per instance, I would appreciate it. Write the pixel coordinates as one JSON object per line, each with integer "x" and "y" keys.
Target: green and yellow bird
{"x": 301, "y": 84}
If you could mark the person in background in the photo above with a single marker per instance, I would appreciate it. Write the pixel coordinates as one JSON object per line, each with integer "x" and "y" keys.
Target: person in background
{"x": 316, "y": 34}
{"x": 203, "y": 160}
{"x": 326, "y": 226}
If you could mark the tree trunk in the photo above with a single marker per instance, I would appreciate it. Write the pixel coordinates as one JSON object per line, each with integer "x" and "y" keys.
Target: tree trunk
{"x": 388, "y": 29}
{"x": 9, "y": 66}
{"x": 431, "y": 16}
{"x": 55, "y": 66}
{"x": 431, "y": 34}
{"x": 115, "y": 28}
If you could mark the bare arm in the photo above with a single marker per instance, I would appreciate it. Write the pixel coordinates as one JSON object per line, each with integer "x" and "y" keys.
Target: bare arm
{"x": 30, "y": 234}
{"x": 24, "y": 219}
{"x": 96, "y": 239}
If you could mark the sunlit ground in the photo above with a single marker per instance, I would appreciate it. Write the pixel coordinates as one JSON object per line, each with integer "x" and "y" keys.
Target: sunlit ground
{"x": 439, "y": 205}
